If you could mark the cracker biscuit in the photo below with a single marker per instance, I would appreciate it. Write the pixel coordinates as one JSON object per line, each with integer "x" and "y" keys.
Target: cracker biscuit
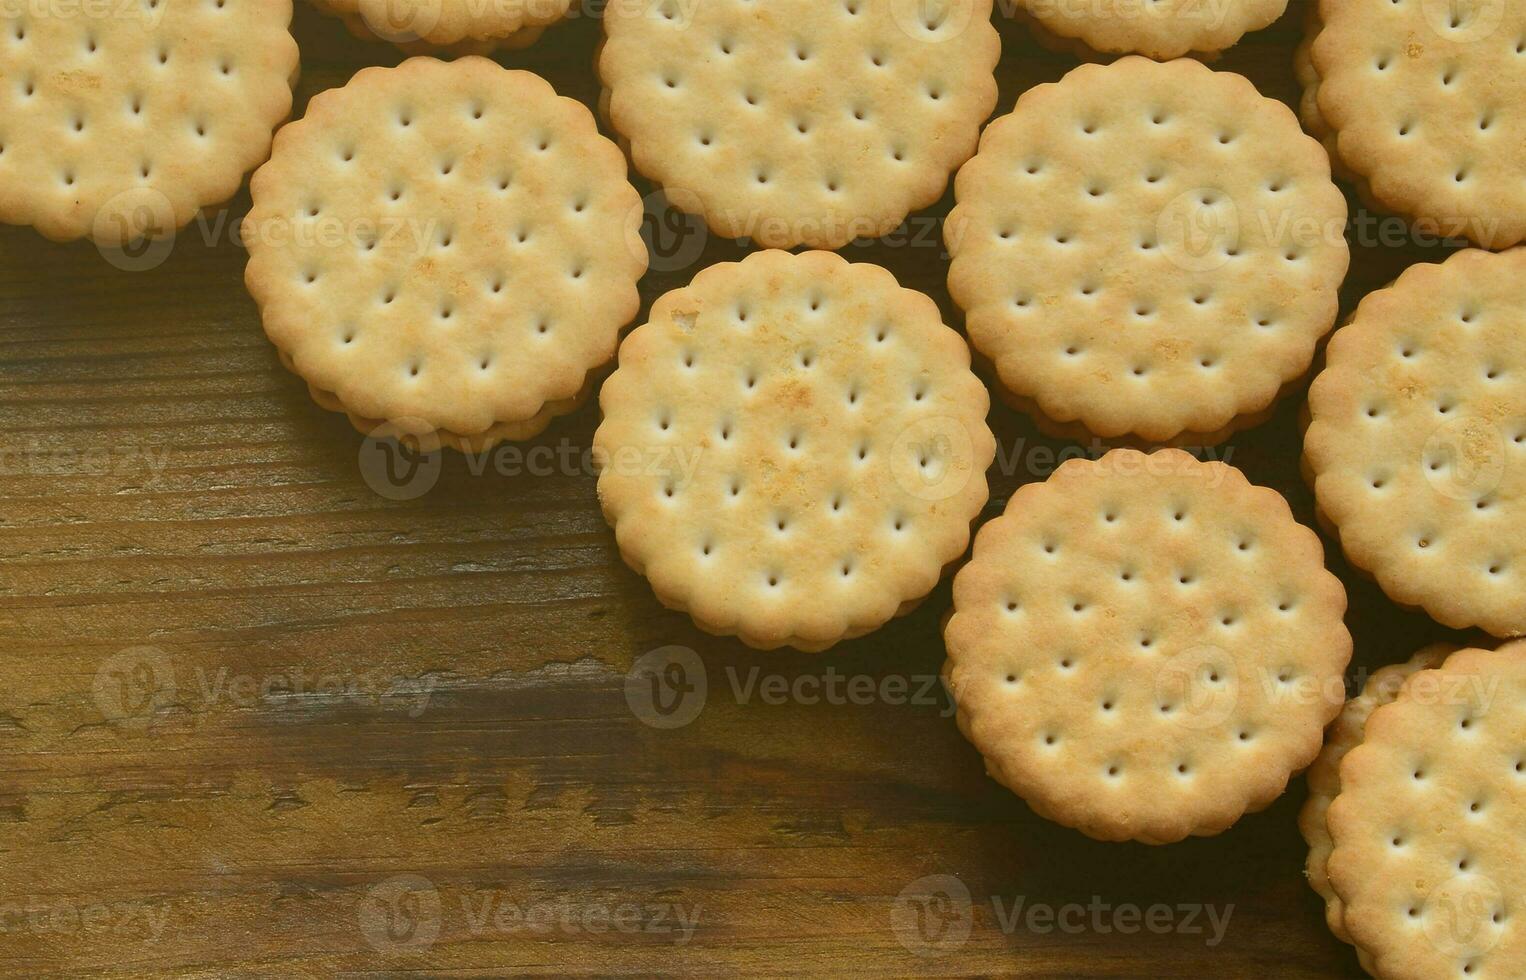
{"x": 120, "y": 122}
{"x": 1428, "y": 825}
{"x": 793, "y": 449}
{"x": 1149, "y": 250}
{"x": 451, "y": 27}
{"x": 1325, "y": 778}
{"x": 1417, "y": 439}
{"x": 1159, "y": 29}
{"x": 1427, "y": 100}
{"x": 1146, "y": 647}
{"x": 800, "y": 122}
{"x": 446, "y": 247}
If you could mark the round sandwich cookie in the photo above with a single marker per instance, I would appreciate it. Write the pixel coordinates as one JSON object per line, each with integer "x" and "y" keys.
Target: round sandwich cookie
{"x": 1147, "y": 253}
{"x": 1146, "y": 647}
{"x": 1159, "y": 29}
{"x": 445, "y": 251}
{"x": 1416, "y": 442}
{"x": 793, "y": 448}
{"x": 800, "y": 122}
{"x": 122, "y": 126}
{"x": 1428, "y": 825}
{"x": 449, "y": 27}
{"x": 1426, "y": 104}
{"x": 1324, "y": 776}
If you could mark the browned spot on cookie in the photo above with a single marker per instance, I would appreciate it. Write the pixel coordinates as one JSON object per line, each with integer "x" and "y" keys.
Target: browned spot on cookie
{"x": 795, "y": 393}
{"x": 1169, "y": 347}
{"x": 78, "y": 80}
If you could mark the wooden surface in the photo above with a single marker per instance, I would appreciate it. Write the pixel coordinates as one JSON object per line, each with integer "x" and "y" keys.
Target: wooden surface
{"x": 257, "y": 719}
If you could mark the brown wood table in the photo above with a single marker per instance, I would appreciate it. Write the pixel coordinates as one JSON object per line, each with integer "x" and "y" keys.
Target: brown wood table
{"x": 259, "y": 719}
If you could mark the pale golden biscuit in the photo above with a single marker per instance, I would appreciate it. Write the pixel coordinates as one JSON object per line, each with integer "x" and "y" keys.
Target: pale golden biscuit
{"x": 1427, "y": 99}
{"x": 1160, "y": 29}
{"x": 1325, "y": 778}
{"x": 1147, "y": 249}
{"x": 446, "y": 247}
{"x": 121, "y": 121}
{"x": 456, "y": 27}
{"x": 1417, "y": 439}
{"x": 1146, "y": 647}
{"x": 794, "y": 448}
{"x": 800, "y": 122}
{"x": 1429, "y": 822}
